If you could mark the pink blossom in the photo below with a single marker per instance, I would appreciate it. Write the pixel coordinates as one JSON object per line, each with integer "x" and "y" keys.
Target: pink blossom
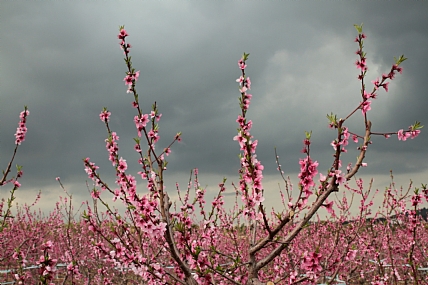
{"x": 167, "y": 151}
{"x": 131, "y": 78}
{"x": 47, "y": 245}
{"x": 365, "y": 106}
{"x": 340, "y": 178}
{"x": 122, "y": 166}
{"x": 254, "y": 146}
{"x": 128, "y": 79}
{"x": 240, "y": 121}
{"x": 22, "y": 129}
{"x": 322, "y": 177}
{"x": 385, "y": 86}
{"x": 24, "y": 114}
{"x": 308, "y": 170}
{"x": 153, "y": 134}
{"x": 105, "y": 115}
{"x": 242, "y": 64}
{"x": 414, "y": 133}
{"x": 122, "y": 34}
{"x": 351, "y": 255}
{"x": 143, "y": 175}
{"x": 258, "y": 199}
{"x": 384, "y": 76}
{"x": 361, "y": 64}
{"x": 334, "y": 144}
{"x": 402, "y": 136}
{"x": 95, "y": 194}
{"x": 416, "y": 199}
{"x": 248, "y": 81}
{"x": 329, "y": 207}
{"x": 240, "y": 79}
{"x": 141, "y": 122}
{"x": 241, "y": 139}
{"x": 376, "y": 83}
{"x": 397, "y": 68}
{"x": 311, "y": 262}
{"x": 366, "y": 95}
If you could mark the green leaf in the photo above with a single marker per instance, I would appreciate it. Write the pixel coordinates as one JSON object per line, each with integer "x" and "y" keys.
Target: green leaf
{"x": 417, "y": 125}
{"x": 332, "y": 118}
{"x": 400, "y": 59}
{"x": 359, "y": 28}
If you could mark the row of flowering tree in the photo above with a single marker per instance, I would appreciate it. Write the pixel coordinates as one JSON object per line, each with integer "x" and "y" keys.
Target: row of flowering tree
{"x": 189, "y": 241}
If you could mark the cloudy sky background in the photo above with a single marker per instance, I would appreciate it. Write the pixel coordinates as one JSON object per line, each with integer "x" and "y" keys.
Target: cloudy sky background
{"x": 62, "y": 60}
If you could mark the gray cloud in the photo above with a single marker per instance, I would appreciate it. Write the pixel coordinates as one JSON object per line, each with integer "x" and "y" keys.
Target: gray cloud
{"x": 63, "y": 60}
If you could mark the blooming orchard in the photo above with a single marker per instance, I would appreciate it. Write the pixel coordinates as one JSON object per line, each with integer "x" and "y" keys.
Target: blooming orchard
{"x": 189, "y": 241}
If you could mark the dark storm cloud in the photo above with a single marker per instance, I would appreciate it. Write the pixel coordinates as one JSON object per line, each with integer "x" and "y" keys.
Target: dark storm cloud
{"x": 63, "y": 60}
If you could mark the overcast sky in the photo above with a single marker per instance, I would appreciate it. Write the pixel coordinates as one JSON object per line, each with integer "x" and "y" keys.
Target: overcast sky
{"x": 62, "y": 59}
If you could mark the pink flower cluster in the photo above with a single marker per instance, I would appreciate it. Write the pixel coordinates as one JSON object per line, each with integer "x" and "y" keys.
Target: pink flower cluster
{"x": 361, "y": 63}
{"x": 411, "y": 133}
{"x": 311, "y": 263}
{"x": 90, "y": 168}
{"x": 308, "y": 170}
{"x": 105, "y": 116}
{"x": 391, "y": 75}
{"x": 377, "y": 84}
{"x": 131, "y": 78}
{"x": 132, "y": 75}
{"x": 343, "y": 142}
{"x": 47, "y": 264}
{"x": 22, "y": 129}
{"x": 112, "y": 147}
{"x": 245, "y": 84}
{"x": 121, "y": 36}
{"x": 241, "y": 64}
{"x": 251, "y": 168}
{"x": 365, "y": 105}
{"x": 141, "y": 122}
{"x": 381, "y": 83}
